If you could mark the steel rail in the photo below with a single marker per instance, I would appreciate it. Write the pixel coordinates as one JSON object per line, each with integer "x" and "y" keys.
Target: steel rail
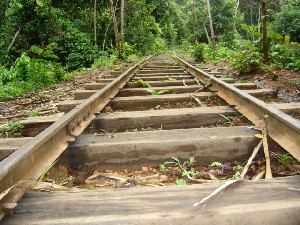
{"x": 282, "y": 128}
{"x": 29, "y": 161}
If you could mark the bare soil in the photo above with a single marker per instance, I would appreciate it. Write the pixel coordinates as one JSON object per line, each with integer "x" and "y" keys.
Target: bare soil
{"x": 287, "y": 85}
{"x": 44, "y": 100}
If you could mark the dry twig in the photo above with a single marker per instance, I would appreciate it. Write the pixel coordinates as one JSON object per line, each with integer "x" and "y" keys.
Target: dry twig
{"x": 260, "y": 175}
{"x": 197, "y": 100}
{"x": 266, "y": 151}
{"x": 251, "y": 159}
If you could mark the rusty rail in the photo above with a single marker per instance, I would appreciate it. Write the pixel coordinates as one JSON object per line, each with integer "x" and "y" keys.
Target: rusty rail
{"x": 29, "y": 161}
{"x": 282, "y": 128}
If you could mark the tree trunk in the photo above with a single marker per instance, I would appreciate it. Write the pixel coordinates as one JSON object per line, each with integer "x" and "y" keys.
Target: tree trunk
{"x": 105, "y": 34}
{"x": 194, "y": 22}
{"x": 13, "y": 40}
{"x": 213, "y": 41}
{"x": 258, "y": 21}
{"x": 95, "y": 22}
{"x": 115, "y": 24}
{"x": 207, "y": 35}
{"x": 264, "y": 31}
{"x": 122, "y": 25}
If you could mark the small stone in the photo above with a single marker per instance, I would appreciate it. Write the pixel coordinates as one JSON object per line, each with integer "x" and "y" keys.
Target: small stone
{"x": 108, "y": 109}
{"x": 154, "y": 170}
{"x": 176, "y": 168}
{"x": 157, "y": 107}
{"x": 145, "y": 169}
{"x": 9, "y": 207}
{"x": 163, "y": 177}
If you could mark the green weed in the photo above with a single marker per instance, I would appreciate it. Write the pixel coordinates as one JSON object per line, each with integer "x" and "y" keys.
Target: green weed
{"x": 42, "y": 177}
{"x": 160, "y": 92}
{"x": 215, "y": 164}
{"x": 170, "y": 78}
{"x": 12, "y": 129}
{"x": 285, "y": 158}
{"x": 244, "y": 81}
{"x": 184, "y": 168}
{"x": 143, "y": 83}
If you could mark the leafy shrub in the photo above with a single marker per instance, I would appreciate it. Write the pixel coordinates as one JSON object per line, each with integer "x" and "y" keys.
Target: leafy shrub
{"x": 222, "y": 52}
{"x": 39, "y": 72}
{"x": 12, "y": 129}
{"x": 127, "y": 50}
{"x": 132, "y": 58}
{"x": 105, "y": 60}
{"x": 286, "y": 55}
{"x": 287, "y": 21}
{"x": 73, "y": 47}
{"x": 28, "y": 74}
{"x": 82, "y": 58}
{"x": 198, "y": 52}
{"x": 247, "y": 61}
{"x": 5, "y": 75}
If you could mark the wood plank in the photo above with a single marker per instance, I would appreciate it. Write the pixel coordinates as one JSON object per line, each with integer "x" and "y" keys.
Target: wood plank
{"x": 140, "y": 103}
{"x": 151, "y": 148}
{"x": 116, "y": 73}
{"x": 274, "y": 201}
{"x": 161, "y": 70}
{"x": 215, "y": 73}
{"x": 151, "y": 101}
{"x": 157, "y": 74}
{"x": 110, "y": 76}
{"x": 158, "y": 78}
{"x": 125, "y": 92}
{"x": 94, "y": 86}
{"x": 166, "y": 119}
{"x": 162, "y": 83}
{"x": 293, "y": 107}
{"x": 83, "y": 94}
{"x": 156, "y": 67}
{"x": 262, "y": 92}
{"x": 9, "y": 145}
{"x": 105, "y": 80}
{"x": 67, "y": 106}
{"x": 245, "y": 86}
{"x": 227, "y": 80}
{"x": 35, "y": 125}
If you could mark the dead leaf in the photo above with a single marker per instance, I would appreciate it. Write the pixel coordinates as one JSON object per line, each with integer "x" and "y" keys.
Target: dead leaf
{"x": 213, "y": 137}
{"x": 259, "y": 136}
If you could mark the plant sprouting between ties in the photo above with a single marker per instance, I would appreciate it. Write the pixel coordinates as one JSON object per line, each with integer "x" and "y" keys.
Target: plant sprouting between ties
{"x": 185, "y": 168}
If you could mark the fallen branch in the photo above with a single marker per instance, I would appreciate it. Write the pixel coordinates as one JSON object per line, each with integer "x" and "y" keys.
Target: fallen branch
{"x": 260, "y": 175}
{"x": 200, "y": 181}
{"x": 215, "y": 192}
{"x": 251, "y": 159}
{"x": 197, "y": 100}
{"x": 266, "y": 151}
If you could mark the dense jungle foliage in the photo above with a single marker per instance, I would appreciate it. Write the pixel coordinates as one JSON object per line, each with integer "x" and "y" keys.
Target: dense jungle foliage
{"x": 44, "y": 41}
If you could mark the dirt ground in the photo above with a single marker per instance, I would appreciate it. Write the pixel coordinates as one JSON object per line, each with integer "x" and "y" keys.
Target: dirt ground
{"x": 42, "y": 101}
{"x": 287, "y": 85}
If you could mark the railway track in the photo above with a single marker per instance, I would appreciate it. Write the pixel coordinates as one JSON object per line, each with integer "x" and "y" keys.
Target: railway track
{"x": 160, "y": 107}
